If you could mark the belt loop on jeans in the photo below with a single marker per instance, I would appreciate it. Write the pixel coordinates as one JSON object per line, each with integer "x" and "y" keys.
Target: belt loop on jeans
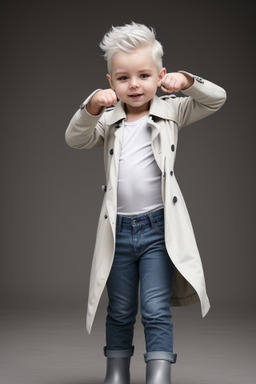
{"x": 151, "y": 219}
{"x": 119, "y": 223}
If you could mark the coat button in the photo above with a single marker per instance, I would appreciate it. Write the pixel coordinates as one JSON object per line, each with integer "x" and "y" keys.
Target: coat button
{"x": 106, "y": 216}
{"x": 200, "y": 80}
{"x": 104, "y": 188}
{"x": 175, "y": 199}
{"x": 111, "y": 151}
{"x": 173, "y": 147}
{"x": 171, "y": 173}
{"x": 117, "y": 125}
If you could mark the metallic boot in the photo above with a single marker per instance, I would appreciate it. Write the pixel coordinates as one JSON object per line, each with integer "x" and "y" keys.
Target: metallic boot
{"x": 118, "y": 366}
{"x": 158, "y": 372}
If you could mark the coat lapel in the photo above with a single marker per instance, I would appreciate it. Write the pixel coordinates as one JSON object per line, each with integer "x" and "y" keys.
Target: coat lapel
{"x": 159, "y": 108}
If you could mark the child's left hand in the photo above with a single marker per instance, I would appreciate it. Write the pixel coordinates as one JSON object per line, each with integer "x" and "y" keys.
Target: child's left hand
{"x": 176, "y": 81}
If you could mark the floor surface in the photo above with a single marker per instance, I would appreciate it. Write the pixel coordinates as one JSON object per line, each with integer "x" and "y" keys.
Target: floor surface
{"x": 52, "y": 347}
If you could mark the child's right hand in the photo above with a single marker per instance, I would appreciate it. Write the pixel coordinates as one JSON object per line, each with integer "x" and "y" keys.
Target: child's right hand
{"x": 101, "y": 99}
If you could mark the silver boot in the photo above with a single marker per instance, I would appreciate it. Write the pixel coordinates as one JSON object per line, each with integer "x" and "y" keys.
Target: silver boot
{"x": 158, "y": 372}
{"x": 118, "y": 367}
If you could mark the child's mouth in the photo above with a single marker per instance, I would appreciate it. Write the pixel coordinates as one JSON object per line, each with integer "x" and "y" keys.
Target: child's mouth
{"x": 136, "y": 95}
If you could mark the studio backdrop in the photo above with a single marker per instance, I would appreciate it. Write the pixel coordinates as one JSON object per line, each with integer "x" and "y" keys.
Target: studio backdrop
{"x": 51, "y": 194}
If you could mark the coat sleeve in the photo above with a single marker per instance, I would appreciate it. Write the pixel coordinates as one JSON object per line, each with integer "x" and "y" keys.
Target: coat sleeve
{"x": 204, "y": 98}
{"x": 85, "y": 130}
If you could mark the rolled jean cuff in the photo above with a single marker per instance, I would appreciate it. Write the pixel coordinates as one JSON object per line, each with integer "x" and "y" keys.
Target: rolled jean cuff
{"x": 160, "y": 355}
{"x": 118, "y": 353}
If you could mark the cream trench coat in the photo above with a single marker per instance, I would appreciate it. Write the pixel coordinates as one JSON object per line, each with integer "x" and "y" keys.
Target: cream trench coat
{"x": 166, "y": 117}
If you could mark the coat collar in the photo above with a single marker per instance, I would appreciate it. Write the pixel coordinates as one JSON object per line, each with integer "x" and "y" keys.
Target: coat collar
{"x": 158, "y": 107}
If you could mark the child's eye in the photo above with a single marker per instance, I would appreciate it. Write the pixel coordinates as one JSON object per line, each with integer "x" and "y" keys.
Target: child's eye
{"x": 144, "y": 76}
{"x": 122, "y": 78}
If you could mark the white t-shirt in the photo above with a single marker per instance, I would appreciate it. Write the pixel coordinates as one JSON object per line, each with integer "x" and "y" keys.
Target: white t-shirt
{"x": 139, "y": 180}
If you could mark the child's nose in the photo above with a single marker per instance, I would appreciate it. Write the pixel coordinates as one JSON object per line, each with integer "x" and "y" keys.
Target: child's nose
{"x": 134, "y": 83}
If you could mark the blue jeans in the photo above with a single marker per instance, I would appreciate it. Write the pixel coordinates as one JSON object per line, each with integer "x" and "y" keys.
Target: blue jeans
{"x": 140, "y": 258}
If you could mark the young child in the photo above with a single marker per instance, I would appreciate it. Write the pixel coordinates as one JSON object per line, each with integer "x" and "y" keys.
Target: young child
{"x": 144, "y": 235}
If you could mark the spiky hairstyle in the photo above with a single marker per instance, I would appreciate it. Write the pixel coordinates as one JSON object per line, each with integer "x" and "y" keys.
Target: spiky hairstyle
{"x": 128, "y": 38}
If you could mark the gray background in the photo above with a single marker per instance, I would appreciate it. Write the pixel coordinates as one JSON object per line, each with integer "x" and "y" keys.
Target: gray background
{"x": 51, "y": 194}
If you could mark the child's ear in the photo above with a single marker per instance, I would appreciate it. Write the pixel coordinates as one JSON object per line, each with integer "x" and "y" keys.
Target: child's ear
{"x": 161, "y": 75}
{"x": 110, "y": 81}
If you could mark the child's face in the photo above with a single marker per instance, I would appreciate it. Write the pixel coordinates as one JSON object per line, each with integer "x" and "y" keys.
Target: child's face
{"x": 134, "y": 78}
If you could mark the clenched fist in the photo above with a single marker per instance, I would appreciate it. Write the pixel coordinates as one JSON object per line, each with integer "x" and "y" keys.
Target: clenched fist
{"x": 176, "y": 81}
{"x": 101, "y": 99}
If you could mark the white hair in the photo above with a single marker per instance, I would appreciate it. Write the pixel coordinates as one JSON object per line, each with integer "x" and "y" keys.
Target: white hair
{"x": 128, "y": 38}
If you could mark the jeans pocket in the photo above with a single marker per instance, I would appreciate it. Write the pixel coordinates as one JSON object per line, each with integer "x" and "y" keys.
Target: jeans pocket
{"x": 159, "y": 226}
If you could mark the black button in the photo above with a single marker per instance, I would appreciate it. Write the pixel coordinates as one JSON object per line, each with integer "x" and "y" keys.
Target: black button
{"x": 171, "y": 173}
{"x": 106, "y": 216}
{"x": 117, "y": 125}
{"x": 175, "y": 199}
{"x": 111, "y": 151}
{"x": 173, "y": 147}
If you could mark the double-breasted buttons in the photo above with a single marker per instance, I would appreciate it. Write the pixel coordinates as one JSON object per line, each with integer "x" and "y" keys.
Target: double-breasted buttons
{"x": 173, "y": 147}
{"x": 175, "y": 199}
{"x": 106, "y": 216}
{"x": 171, "y": 173}
{"x": 111, "y": 151}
